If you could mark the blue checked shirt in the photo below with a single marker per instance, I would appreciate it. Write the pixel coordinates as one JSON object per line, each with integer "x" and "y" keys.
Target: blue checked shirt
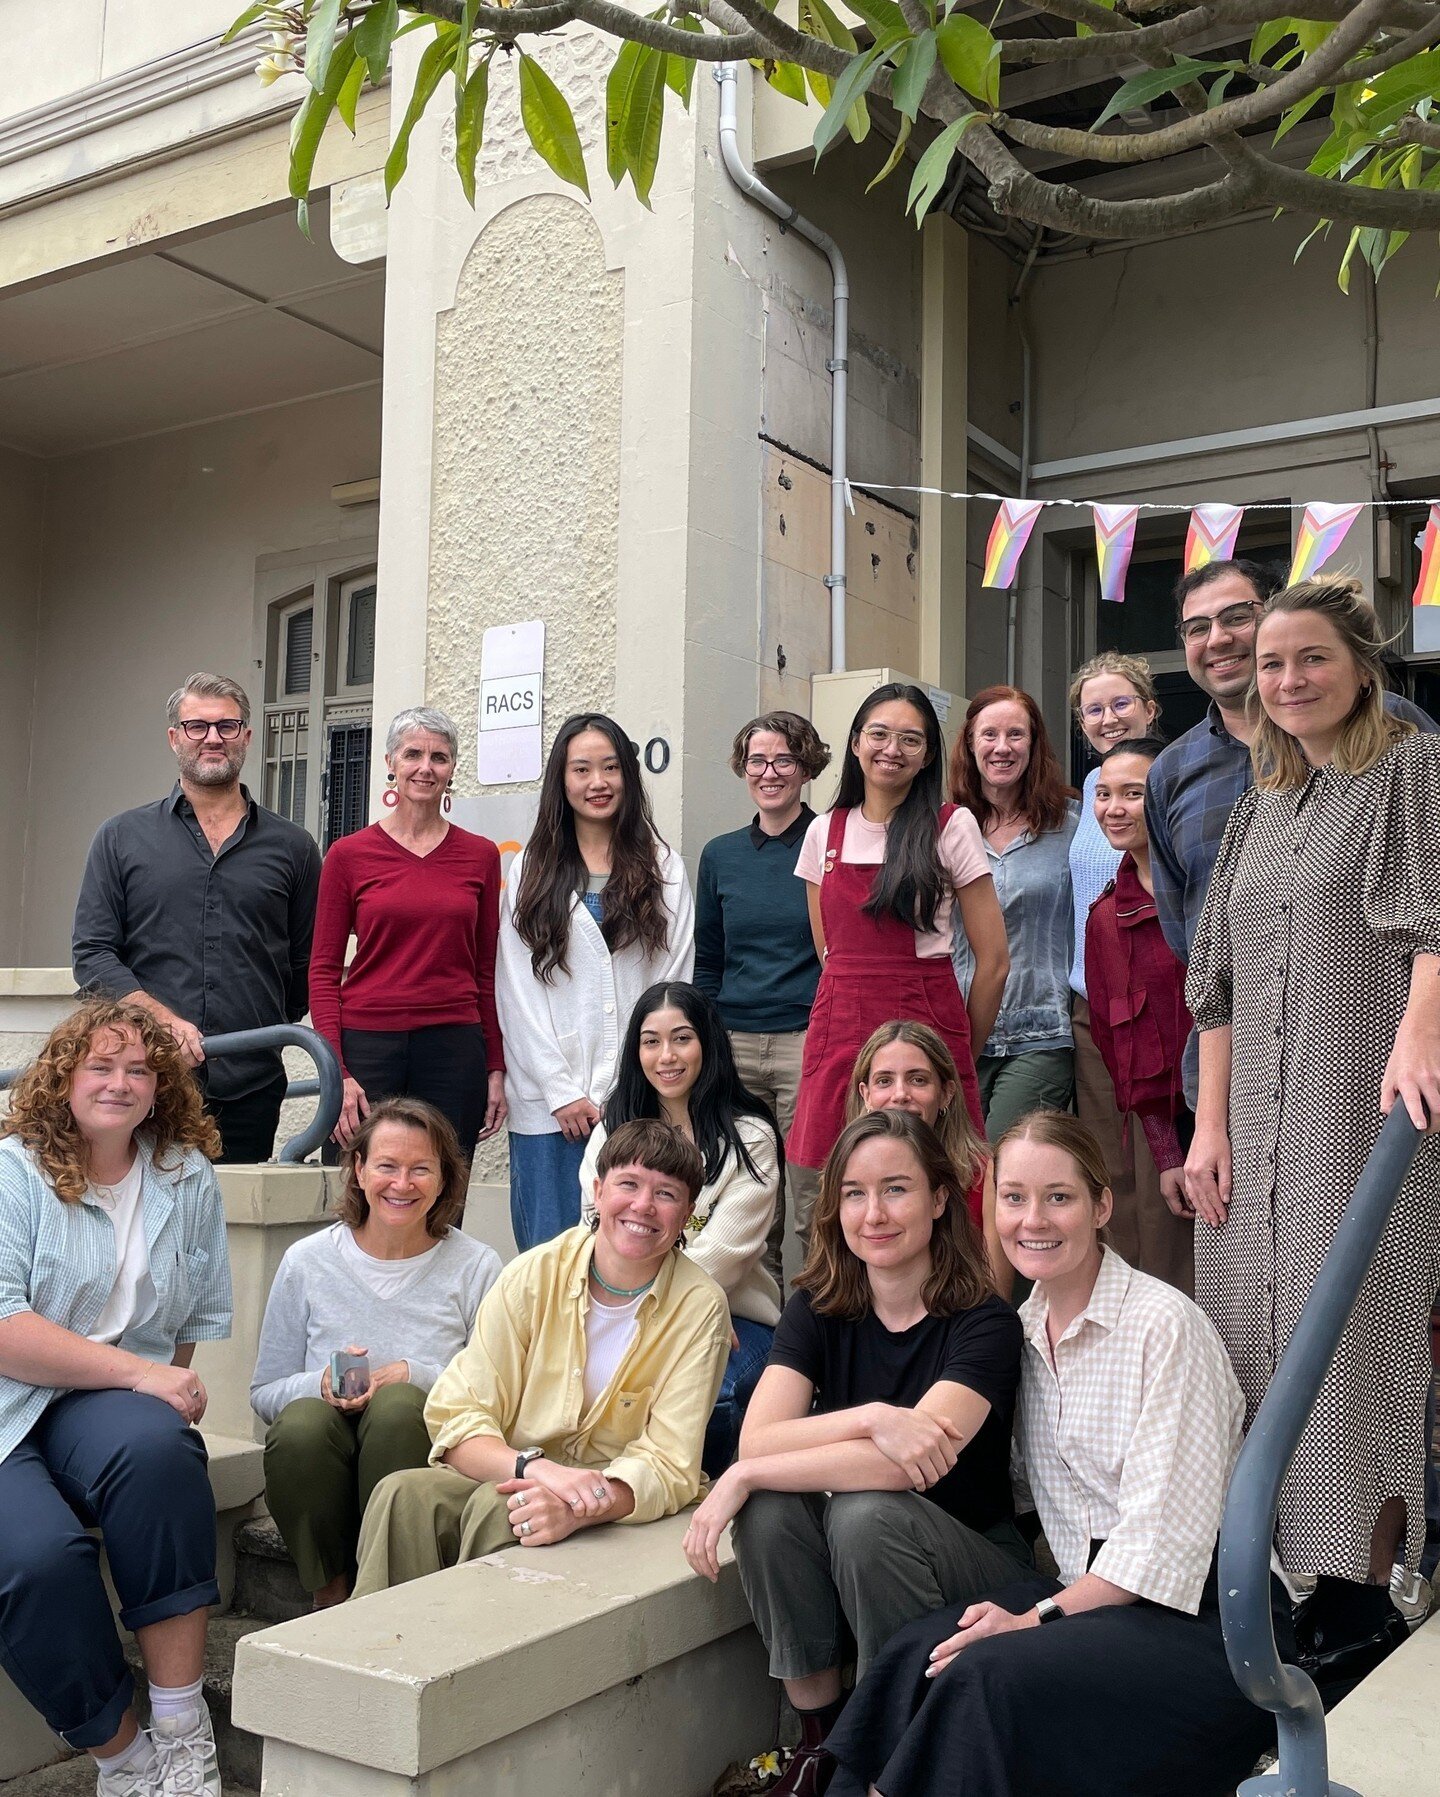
{"x": 58, "y": 1260}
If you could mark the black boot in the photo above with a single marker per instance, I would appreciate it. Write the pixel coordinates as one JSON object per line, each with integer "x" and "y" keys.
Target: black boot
{"x": 810, "y": 1771}
{"x": 1343, "y": 1634}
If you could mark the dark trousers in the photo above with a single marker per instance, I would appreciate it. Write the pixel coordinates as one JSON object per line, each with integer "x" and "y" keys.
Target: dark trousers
{"x": 128, "y": 1464}
{"x": 445, "y": 1065}
{"x": 742, "y": 1375}
{"x": 247, "y": 1124}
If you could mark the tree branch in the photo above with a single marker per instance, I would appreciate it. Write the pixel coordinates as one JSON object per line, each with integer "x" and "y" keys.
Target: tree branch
{"x": 1415, "y": 130}
{"x": 1384, "y": 209}
{"x": 511, "y": 22}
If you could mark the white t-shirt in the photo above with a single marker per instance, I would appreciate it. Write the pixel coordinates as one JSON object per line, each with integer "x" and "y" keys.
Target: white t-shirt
{"x": 383, "y": 1277}
{"x": 962, "y": 855}
{"x": 608, "y": 1331}
{"x": 132, "y": 1297}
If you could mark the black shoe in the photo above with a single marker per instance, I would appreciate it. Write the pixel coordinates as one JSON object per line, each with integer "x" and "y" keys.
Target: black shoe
{"x": 1338, "y": 1660}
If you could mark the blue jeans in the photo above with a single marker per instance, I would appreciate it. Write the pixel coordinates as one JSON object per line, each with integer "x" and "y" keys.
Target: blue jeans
{"x": 742, "y": 1375}
{"x": 128, "y": 1463}
{"x": 544, "y": 1186}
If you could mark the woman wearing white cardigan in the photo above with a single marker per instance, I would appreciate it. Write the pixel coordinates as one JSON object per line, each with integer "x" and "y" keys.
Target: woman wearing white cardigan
{"x": 596, "y": 909}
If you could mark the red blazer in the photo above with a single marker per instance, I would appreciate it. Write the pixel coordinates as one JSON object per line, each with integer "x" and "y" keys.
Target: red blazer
{"x": 1136, "y": 992}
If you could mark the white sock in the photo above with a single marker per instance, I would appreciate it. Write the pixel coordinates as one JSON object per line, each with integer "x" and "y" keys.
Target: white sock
{"x": 139, "y": 1753}
{"x": 175, "y": 1700}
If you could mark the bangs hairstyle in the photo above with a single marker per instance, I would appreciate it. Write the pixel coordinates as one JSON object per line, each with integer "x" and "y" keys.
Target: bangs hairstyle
{"x": 40, "y": 1113}
{"x": 1370, "y": 729}
{"x": 1043, "y": 791}
{"x": 554, "y": 874}
{"x": 910, "y": 883}
{"x": 958, "y": 1137}
{"x": 1133, "y": 668}
{"x": 1058, "y": 1129}
{"x": 353, "y": 1207}
{"x": 837, "y": 1281}
{"x": 649, "y": 1143}
{"x": 800, "y": 735}
{"x": 716, "y": 1099}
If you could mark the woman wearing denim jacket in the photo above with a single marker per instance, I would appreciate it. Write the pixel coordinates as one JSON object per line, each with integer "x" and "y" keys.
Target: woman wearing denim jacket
{"x": 1004, "y": 770}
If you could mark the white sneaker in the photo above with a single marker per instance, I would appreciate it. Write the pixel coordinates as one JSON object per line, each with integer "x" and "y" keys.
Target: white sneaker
{"x": 1411, "y": 1596}
{"x": 185, "y": 1760}
{"x": 141, "y": 1780}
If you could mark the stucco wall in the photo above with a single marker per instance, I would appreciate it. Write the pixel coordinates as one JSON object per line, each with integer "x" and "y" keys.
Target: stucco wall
{"x": 22, "y": 498}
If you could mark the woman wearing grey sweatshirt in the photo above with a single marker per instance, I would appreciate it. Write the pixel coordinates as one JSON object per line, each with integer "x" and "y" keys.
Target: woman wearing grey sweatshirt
{"x": 391, "y": 1279}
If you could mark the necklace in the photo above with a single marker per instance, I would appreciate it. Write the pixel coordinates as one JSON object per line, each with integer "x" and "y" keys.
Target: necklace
{"x": 619, "y": 1291}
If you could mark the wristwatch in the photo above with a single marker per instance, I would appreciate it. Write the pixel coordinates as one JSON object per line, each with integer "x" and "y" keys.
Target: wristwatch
{"x": 523, "y": 1459}
{"x": 1048, "y": 1611}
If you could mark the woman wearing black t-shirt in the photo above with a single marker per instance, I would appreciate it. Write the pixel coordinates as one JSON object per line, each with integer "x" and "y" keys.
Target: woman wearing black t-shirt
{"x": 873, "y": 1480}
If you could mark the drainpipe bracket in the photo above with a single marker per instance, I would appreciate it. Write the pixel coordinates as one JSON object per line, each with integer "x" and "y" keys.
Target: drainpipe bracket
{"x": 832, "y": 366}
{"x": 834, "y": 580}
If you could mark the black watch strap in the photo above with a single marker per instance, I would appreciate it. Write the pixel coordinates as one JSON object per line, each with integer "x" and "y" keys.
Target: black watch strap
{"x": 523, "y": 1459}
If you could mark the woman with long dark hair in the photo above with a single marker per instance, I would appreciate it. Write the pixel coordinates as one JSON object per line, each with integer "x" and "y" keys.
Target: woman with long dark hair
{"x": 677, "y": 1065}
{"x": 1004, "y": 771}
{"x": 597, "y": 907}
{"x": 887, "y": 868}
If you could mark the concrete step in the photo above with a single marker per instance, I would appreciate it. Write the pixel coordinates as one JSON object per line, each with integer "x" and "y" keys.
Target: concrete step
{"x": 238, "y": 1752}
{"x": 76, "y": 1778}
{"x": 266, "y": 1583}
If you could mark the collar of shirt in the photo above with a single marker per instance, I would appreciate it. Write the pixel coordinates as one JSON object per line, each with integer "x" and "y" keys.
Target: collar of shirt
{"x": 787, "y": 837}
{"x": 177, "y": 799}
{"x": 577, "y": 1276}
{"x": 1103, "y": 1308}
{"x": 1133, "y": 904}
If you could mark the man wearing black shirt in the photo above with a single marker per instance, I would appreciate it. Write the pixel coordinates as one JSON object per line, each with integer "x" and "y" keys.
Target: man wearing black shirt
{"x": 201, "y": 906}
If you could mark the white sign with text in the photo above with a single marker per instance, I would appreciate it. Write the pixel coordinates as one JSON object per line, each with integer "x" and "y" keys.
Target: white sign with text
{"x": 512, "y": 676}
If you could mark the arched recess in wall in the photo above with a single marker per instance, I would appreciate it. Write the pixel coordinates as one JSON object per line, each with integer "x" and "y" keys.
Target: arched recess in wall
{"x": 526, "y": 472}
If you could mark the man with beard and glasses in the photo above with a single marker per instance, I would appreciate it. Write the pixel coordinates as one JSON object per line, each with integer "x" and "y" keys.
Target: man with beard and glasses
{"x": 200, "y": 906}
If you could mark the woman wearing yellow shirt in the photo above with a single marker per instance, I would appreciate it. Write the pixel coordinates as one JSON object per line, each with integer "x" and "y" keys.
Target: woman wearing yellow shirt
{"x": 583, "y": 1394}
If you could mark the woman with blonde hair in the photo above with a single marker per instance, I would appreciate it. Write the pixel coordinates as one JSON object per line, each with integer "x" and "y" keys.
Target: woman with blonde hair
{"x": 1315, "y": 985}
{"x": 892, "y": 1379}
{"x": 906, "y": 1066}
{"x": 112, "y": 1267}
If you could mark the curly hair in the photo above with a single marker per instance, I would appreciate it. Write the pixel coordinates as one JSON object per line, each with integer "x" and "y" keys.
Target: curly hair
{"x": 353, "y": 1207}
{"x": 799, "y": 733}
{"x": 40, "y": 1113}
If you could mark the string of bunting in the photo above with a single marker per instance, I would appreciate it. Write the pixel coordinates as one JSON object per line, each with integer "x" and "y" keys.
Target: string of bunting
{"x": 1211, "y": 535}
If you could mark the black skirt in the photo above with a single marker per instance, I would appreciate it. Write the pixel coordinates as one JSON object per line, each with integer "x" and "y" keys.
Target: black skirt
{"x": 1133, "y": 1700}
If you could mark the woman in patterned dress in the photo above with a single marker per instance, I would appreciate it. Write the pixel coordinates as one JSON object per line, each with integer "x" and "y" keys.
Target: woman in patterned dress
{"x": 1315, "y": 983}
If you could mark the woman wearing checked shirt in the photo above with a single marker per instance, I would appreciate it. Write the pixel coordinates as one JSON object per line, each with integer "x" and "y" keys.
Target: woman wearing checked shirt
{"x": 1112, "y": 1681}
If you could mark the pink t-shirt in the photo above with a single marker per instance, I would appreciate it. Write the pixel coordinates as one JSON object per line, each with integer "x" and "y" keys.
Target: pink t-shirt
{"x": 962, "y": 855}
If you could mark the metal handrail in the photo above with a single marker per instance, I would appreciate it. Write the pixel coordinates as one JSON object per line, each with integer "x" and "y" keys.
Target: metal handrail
{"x": 329, "y": 1087}
{"x": 1248, "y": 1527}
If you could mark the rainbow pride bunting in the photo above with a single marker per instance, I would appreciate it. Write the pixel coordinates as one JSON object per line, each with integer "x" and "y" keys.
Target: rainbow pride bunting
{"x": 1427, "y": 587}
{"x": 1008, "y": 536}
{"x": 1212, "y": 533}
{"x": 1322, "y": 530}
{"x": 1114, "y": 540}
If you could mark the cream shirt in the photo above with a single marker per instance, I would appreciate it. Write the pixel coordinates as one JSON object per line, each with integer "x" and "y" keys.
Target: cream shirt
{"x": 132, "y": 1297}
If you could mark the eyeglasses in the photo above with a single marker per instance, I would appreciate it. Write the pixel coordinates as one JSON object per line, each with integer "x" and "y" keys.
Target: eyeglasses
{"x": 756, "y": 765}
{"x": 908, "y": 742}
{"x": 1122, "y": 708}
{"x": 1233, "y": 617}
{"x": 197, "y": 729}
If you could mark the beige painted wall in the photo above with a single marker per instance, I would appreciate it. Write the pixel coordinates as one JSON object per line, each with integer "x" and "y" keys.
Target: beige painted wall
{"x": 149, "y": 572}
{"x": 67, "y": 45}
{"x": 21, "y": 523}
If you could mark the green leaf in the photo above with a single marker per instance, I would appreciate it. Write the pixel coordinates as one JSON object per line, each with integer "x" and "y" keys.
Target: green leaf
{"x": 933, "y": 166}
{"x": 1081, "y": 29}
{"x": 308, "y": 125}
{"x": 462, "y": 55}
{"x": 348, "y": 97}
{"x": 1395, "y": 92}
{"x": 435, "y": 60}
{"x": 1272, "y": 33}
{"x": 907, "y": 87}
{"x": 1309, "y": 237}
{"x": 818, "y": 18}
{"x": 1139, "y": 90}
{"x": 550, "y": 125}
{"x": 470, "y": 126}
{"x": 1215, "y": 96}
{"x": 851, "y": 86}
{"x": 902, "y": 137}
{"x": 374, "y": 35}
{"x": 884, "y": 17}
{"x": 680, "y": 70}
{"x": 320, "y": 42}
{"x": 1293, "y": 115}
{"x": 243, "y": 23}
{"x": 643, "y": 125}
{"x": 619, "y": 89}
{"x": 971, "y": 56}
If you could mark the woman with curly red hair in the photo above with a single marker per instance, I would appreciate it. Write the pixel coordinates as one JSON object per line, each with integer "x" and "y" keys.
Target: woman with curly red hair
{"x": 112, "y": 1266}
{"x": 1004, "y": 770}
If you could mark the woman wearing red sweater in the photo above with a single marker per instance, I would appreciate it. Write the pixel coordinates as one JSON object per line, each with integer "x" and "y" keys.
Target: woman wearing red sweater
{"x": 414, "y": 1013}
{"x": 1136, "y": 992}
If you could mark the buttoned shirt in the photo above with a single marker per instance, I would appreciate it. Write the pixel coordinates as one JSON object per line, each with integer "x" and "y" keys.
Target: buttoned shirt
{"x": 59, "y": 1261}
{"x": 1128, "y": 1434}
{"x": 221, "y": 938}
{"x": 521, "y": 1376}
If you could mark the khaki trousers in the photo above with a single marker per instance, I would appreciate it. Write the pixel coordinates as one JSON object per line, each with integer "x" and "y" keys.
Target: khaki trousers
{"x": 769, "y": 1066}
{"x": 1143, "y": 1229}
{"x": 421, "y": 1522}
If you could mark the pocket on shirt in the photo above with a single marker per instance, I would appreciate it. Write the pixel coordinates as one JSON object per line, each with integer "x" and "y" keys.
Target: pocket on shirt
{"x": 176, "y": 1285}
{"x": 630, "y": 1413}
{"x": 1132, "y": 1017}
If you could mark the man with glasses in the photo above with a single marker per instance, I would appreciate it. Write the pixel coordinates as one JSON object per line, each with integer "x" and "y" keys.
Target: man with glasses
{"x": 1193, "y": 786}
{"x": 201, "y": 907}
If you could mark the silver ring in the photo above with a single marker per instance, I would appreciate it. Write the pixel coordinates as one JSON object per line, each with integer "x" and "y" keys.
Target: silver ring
{"x": 525, "y": 1528}
{"x": 598, "y": 1490}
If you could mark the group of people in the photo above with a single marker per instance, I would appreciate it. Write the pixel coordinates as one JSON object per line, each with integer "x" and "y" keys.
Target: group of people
{"x": 985, "y": 1040}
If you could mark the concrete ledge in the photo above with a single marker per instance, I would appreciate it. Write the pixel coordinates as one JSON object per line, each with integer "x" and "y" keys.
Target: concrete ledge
{"x": 432, "y": 1673}
{"x": 1385, "y": 1736}
{"x": 237, "y": 1470}
{"x": 37, "y": 982}
{"x": 273, "y": 1196}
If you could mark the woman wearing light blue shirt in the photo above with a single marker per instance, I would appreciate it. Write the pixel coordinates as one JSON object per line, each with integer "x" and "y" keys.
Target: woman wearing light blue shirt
{"x": 112, "y": 1266}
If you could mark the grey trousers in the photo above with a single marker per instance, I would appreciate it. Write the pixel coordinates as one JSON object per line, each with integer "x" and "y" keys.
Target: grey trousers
{"x": 870, "y": 1561}
{"x": 769, "y": 1066}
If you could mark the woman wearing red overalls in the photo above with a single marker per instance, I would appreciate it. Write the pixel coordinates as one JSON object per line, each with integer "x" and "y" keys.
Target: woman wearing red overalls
{"x": 886, "y": 869}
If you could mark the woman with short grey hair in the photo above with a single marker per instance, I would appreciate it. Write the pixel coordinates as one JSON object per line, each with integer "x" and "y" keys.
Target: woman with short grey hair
{"x": 413, "y": 1015}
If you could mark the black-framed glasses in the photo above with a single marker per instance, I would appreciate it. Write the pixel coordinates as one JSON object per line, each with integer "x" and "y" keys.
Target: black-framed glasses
{"x": 197, "y": 729}
{"x": 755, "y": 765}
{"x": 1231, "y": 617}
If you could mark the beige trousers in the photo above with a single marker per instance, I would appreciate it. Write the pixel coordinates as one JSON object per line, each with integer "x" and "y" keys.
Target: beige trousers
{"x": 423, "y": 1521}
{"x": 769, "y": 1066}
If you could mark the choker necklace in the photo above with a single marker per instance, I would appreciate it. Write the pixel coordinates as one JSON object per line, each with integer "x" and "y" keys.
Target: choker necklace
{"x": 619, "y": 1291}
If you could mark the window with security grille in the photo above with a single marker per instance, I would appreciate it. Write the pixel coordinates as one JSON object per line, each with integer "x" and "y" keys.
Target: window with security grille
{"x": 347, "y": 798}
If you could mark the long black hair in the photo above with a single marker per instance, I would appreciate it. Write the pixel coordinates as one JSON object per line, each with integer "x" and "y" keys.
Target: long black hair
{"x": 633, "y": 909}
{"x": 717, "y": 1098}
{"x": 910, "y": 884}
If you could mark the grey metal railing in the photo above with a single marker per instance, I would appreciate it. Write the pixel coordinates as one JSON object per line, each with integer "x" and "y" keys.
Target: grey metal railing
{"x": 328, "y": 1087}
{"x": 1248, "y": 1527}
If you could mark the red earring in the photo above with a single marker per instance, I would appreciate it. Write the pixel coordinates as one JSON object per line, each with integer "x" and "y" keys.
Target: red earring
{"x": 390, "y": 797}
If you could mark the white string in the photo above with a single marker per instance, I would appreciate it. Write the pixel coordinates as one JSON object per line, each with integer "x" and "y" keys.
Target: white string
{"x": 1144, "y": 505}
